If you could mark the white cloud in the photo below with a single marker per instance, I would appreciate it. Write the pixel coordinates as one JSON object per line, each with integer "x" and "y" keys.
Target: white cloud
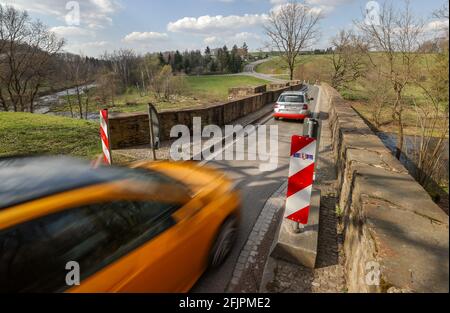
{"x": 86, "y": 48}
{"x": 317, "y": 6}
{"x": 216, "y": 24}
{"x": 145, "y": 36}
{"x": 93, "y": 13}
{"x": 327, "y": 6}
{"x": 231, "y": 40}
{"x": 96, "y": 44}
{"x": 64, "y": 31}
{"x": 436, "y": 25}
{"x": 212, "y": 40}
{"x": 278, "y": 2}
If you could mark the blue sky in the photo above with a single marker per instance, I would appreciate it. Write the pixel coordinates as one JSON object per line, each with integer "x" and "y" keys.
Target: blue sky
{"x": 160, "y": 25}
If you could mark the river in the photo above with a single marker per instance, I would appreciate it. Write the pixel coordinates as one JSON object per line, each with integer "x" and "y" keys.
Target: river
{"x": 412, "y": 143}
{"x": 45, "y": 104}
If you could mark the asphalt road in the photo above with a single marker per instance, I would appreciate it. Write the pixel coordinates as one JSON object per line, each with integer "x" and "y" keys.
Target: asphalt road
{"x": 249, "y": 70}
{"x": 256, "y": 188}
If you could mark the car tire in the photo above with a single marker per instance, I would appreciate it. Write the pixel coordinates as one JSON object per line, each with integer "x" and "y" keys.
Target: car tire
{"x": 302, "y": 121}
{"x": 277, "y": 118}
{"x": 224, "y": 242}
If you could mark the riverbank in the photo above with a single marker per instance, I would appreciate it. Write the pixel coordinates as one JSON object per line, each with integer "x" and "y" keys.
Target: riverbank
{"x": 437, "y": 188}
{"x": 196, "y": 91}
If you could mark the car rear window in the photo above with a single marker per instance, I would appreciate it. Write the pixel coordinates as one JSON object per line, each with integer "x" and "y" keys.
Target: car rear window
{"x": 292, "y": 98}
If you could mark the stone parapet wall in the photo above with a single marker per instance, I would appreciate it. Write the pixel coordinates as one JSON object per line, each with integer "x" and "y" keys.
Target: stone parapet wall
{"x": 390, "y": 221}
{"x": 240, "y": 92}
{"x": 276, "y": 86}
{"x": 129, "y": 130}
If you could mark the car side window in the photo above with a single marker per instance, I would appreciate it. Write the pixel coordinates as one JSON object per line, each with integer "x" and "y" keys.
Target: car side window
{"x": 33, "y": 255}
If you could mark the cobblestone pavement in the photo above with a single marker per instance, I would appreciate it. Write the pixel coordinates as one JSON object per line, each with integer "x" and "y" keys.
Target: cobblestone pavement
{"x": 283, "y": 276}
{"x": 250, "y": 265}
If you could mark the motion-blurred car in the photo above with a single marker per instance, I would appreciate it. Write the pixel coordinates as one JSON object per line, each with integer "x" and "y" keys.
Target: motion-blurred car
{"x": 150, "y": 227}
{"x": 292, "y": 105}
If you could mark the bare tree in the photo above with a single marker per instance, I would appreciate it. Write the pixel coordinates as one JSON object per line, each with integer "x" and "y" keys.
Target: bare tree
{"x": 442, "y": 12}
{"x": 348, "y": 59}
{"x": 26, "y": 50}
{"x": 107, "y": 87}
{"x": 379, "y": 95}
{"x": 396, "y": 39}
{"x": 165, "y": 84}
{"x": 292, "y": 27}
{"x": 432, "y": 111}
{"x": 124, "y": 63}
{"x": 79, "y": 73}
{"x": 442, "y": 29}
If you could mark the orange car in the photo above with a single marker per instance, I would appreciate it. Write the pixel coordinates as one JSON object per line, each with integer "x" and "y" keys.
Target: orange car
{"x": 150, "y": 227}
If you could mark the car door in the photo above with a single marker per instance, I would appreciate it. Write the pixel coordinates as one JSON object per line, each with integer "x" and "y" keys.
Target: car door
{"x": 173, "y": 261}
{"x": 100, "y": 238}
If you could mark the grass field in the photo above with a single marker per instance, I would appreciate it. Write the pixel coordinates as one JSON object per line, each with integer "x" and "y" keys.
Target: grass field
{"x": 197, "y": 91}
{"x": 28, "y": 134}
{"x": 277, "y": 66}
{"x": 215, "y": 88}
{"x": 31, "y": 134}
{"x": 320, "y": 67}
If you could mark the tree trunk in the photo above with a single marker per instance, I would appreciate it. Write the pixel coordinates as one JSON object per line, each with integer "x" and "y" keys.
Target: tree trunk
{"x": 80, "y": 105}
{"x": 5, "y": 107}
{"x": 3, "y": 102}
{"x": 86, "y": 105}
{"x": 33, "y": 96}
{"x": 69, "y": 101}
{"x": 291, "y": 72}
{"x": 400, "y": 139}
{"x": 397, "y": 116}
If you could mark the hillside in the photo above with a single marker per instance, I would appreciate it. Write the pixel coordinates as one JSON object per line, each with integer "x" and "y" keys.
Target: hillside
{"x": 28, "y": 134}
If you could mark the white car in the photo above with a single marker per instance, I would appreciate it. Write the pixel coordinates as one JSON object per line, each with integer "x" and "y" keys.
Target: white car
{"x": 293, "y": 105}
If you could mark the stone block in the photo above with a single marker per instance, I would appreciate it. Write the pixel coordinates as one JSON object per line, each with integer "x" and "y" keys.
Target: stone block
{"x": 299, "y": 248}
{"x": 239, "y": 92}
{"x": 277, "y": 86}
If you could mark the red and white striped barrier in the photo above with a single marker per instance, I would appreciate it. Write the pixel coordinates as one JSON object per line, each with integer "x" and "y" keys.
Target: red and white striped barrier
{"x": 104, "y": 134}
{"x": 301, "y": 178}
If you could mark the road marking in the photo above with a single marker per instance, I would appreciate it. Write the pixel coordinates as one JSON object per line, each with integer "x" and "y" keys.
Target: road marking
{"x": 264, "y": 122}
{"x": 215, "y": 154}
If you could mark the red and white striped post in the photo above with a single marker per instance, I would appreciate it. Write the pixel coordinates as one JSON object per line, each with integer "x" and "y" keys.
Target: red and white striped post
{"x": 301, "y": 178}
{"x": 104, "y": 134}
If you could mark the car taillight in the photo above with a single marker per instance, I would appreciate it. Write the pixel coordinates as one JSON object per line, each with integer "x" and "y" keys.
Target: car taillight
{"x": 305, "y": 107}
{"x": 276, "y": 106}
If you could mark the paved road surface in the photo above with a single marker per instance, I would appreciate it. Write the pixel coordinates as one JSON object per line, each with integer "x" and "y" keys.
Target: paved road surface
{"x": 256, "y": 188}
{"x": 249, "y": 70}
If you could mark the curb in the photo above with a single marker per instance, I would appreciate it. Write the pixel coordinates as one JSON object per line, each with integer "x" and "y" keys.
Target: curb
{"x": 266, "y": 218}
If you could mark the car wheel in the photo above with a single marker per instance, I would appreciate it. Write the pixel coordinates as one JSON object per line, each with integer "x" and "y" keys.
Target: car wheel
{"x": 302, "y": 121}
{"x": 277, "y": 118}
{"x": 224, "y": 242}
